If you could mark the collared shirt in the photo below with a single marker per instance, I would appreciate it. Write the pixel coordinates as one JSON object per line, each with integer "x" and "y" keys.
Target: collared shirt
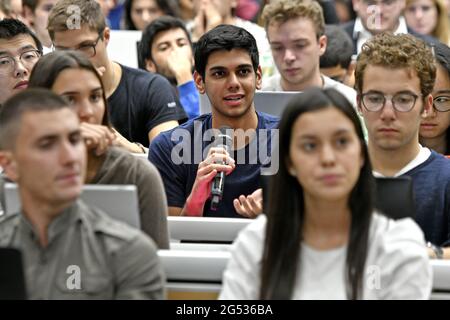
{"x": 88, "y": 256}
{"x": 362, "y": 34}
{"x": 422, "y": 156}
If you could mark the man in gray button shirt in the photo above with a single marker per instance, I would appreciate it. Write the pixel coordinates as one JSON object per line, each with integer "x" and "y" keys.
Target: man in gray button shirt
{"x": 70, "y": 251}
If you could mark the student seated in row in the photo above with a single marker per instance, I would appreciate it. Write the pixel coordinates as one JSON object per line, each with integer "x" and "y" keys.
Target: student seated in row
{"x": 394, "y": 78}
{"x": 322, "y": 238}
{"x": 435, "y": 126}
{"x": 226, "y": 70}
{"x": 141, "y": 104}
{"x": 70, "y": 251}
{"x": 71, "y": 75}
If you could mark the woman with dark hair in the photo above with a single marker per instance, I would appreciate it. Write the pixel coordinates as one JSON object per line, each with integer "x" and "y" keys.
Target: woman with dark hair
{"x": 138, "y": 14}
{"x": 321, "y": 238}
{"x": 435, "y": 126}
{"x": 71, "y": 75}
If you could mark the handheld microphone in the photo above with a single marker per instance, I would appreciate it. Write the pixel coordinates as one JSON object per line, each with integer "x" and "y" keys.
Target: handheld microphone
{"x": 223, "y": 140}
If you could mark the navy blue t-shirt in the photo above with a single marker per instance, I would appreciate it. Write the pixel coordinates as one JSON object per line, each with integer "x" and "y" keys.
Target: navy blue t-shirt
{"x": 142, "y": 101}
{"x": 431, "y": 185}
{"x": 178, "y": 169}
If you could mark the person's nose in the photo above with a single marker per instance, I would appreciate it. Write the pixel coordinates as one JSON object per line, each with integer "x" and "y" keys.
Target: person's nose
{"x": 85, "y": 111}
{"x": 146, "y": 16}
{"x": 429, "y": 113}
{"x": 327, "y": 155}
{"x": 289, "y": 56}
{"x": 233, "y": 82}
{"x": 69, "y": 153}
{"x": 20, "y": 70}
{"x": 388, "y": 111}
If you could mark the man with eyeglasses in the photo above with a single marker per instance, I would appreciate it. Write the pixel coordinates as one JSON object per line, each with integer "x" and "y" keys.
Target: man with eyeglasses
{"x": 20, "y": 49}
{"x": 141, "y": 104}
{"x": 377, "y": 16}
{"x": 394, "y": 77}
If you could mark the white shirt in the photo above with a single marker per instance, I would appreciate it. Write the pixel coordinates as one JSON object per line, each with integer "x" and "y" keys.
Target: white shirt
{"x": 362, "y": 34}
{"x": 422, "y": 156}
{"x": 397, "y": 265}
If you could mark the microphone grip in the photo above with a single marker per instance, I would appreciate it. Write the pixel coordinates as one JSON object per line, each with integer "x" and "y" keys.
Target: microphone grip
{"x": 217, "y": 190}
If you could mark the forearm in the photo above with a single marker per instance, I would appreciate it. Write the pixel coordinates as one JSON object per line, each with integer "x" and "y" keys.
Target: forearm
{"x": 193, "y": 207}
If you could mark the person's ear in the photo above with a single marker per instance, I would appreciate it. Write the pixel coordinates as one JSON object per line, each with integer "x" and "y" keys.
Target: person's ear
{"x": 199, "y": 83}
{"x": 106, "y": 36}
{"x": 349, "y": 79}
{"x": 9, "y": 165}
{"x": 322, "y": 44}
{"x": 150, "y": 66}
{"x": 427, "y": 105}
{"x": 290, "y": 168}
{"x": 359, "y": 104}
{"x": 258, "y": 78}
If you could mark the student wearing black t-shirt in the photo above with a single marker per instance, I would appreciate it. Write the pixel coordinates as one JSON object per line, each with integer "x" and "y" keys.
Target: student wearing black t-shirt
{"x": 228, "y": 71}
{"x": 141, "y": 104}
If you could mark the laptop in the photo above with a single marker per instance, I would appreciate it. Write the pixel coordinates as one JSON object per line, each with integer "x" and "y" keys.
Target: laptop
{"x": 118, "y": 201}
{"x": 271, "y": 102}
{"x": 12, "y": 278}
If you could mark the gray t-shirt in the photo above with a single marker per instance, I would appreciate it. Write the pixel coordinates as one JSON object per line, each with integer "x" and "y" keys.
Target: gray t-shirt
{"x": 88, "y": 256}
{"x": 120, "y": 167}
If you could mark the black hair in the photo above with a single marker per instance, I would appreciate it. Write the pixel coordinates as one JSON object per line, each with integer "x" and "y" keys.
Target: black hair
{"x": 48, "y": 68}
{"x": 224, "y": 37}
{"x": 158, "y": 25}
{"x": 10, "y": 28}
{"x": 37, "y": 99}
{"x": 286, "y": 211}
{"x": 168, "y": 7}
{"x": 339, "y": 48}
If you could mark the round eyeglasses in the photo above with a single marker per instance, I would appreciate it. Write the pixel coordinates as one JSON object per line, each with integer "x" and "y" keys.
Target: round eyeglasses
{"x": 441, "y": 103}
{"x": 402, "y": 101}
{"x": 27, "y": 59}
{"x": 89, "y": 50}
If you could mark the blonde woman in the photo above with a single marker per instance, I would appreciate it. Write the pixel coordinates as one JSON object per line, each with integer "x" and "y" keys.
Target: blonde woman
{"x": 428, "y": 17}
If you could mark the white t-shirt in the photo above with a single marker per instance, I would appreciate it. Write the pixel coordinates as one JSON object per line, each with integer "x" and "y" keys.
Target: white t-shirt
{"x": 422, "y": 156}
{"x": 397, "y": 265}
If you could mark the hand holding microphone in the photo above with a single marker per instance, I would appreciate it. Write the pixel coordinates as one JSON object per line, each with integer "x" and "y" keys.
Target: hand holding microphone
{"x": 218, "y": 160}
